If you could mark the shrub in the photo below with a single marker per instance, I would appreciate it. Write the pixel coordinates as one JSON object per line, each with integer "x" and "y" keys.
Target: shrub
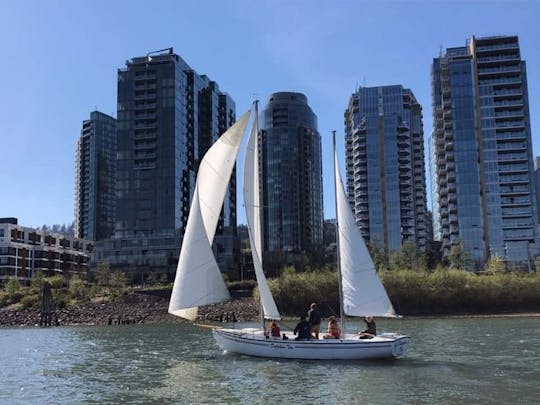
{"x": 36, "y": 283}
{"x": 118, "y": 279}
{"x": 13, "y": 290}
{"x": 294, "y": 292}
{"x": 30, "y": 301}
{"x": 242, "y": 285}
{"x": 77, "y": 288}
{"x": 57, "y": 281}
{"x": 417, "y": 293}
{"x": 4, "y": 299}
{"x": 60, "y": 298}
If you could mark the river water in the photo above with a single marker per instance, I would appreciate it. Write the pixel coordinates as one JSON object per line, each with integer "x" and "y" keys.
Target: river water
{"x": 482, "y": 360}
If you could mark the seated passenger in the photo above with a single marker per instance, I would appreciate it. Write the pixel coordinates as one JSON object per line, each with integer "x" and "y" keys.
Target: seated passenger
{"x": 371, "y": 330}
{"x": 334, "y": 332}
{"x": 303, "y": 328}
{"x": 274, "y": 329}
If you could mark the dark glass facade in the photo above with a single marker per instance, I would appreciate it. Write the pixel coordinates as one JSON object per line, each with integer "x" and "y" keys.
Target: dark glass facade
{"x": 482, "y": 152}
{"x": 384, "y": 149}
{"x": 291, "y": 175}
{"x": 95, "y": 178}
{"x": 168, "y": 116}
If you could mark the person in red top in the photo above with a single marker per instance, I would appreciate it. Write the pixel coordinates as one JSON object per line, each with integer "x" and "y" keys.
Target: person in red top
{"x": 274, "y": 329}
{"x": 334, "y": 331}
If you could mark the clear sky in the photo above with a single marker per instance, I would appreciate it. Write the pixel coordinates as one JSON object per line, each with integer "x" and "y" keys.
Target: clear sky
{"x": 60, "y": 58}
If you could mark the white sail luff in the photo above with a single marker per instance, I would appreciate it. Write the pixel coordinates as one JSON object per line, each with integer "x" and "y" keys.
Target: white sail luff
{"x": 253, "y": 215}
{"x": 198, "y": 278}
{"x": 363, "y": 291}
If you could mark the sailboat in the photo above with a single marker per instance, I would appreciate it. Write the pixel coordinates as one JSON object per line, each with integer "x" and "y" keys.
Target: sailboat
{"x": 199, "y": 282}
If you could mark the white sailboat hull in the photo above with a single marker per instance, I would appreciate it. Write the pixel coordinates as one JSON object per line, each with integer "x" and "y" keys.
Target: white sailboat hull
{"x": 252, "y": 342}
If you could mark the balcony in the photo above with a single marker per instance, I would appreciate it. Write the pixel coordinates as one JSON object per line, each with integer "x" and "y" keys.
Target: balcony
{"x": 497, "y": 47}
{"x": 499, "y": 70}
{"x": 508, "y": 93}
{"x": 512, "y": 57}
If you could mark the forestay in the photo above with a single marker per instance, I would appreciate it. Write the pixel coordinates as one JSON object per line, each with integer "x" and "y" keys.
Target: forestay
{"x": 198, "y": 278}
{"x": 253, "y": 215}
{"x": 363, "y": 292}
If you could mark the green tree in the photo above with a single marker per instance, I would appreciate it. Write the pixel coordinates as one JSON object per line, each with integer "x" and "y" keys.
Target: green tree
{"x": 103, "y": 273}
{"x": 13, "y": 290}
{"x": 57, "y": 281}
{"x": 409, "y": 257}
{"x": 118, "y": 279}
{"x": 77, "y": 288}
{"x": 379, "y": 255}
{"x": 458, "y": 256}
{"x": 36, "y": 283}
{"x": 495, "y": 264}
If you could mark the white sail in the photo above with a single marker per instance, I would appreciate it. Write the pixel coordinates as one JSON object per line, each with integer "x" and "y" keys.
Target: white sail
{"x": 363, "y": 292}
{"x": 198, "y": 278}
{"x": 253, "y": 215}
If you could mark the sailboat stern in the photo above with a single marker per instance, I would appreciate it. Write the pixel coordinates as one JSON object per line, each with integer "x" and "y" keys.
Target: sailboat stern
{"x": 400, "y": 344}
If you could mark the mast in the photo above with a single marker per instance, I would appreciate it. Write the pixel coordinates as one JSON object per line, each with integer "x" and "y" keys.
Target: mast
{"x": 259, "y": 224}
{"x": 341, "y": 310}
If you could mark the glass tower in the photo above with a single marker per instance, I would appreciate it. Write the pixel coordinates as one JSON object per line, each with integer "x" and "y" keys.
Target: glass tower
{"x": 484, "y": 179}
{"x": 168, "y": 117}
{"x": 384, "y": 150}
{"x": 95, "y": 178}
{"x": 291, "y": 175}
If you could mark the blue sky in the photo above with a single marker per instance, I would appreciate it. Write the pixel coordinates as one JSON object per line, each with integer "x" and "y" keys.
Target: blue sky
{"x": 59, "y": 62}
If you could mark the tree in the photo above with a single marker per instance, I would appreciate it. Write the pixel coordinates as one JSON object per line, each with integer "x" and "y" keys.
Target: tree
{"x": 495, "y": 264}
{"x": 458, "y": 256}
{"x": 378, "y": 254}
{"x": 118, "y": 279}
{"x": 13, "y": 289}
{"x": 77, "y": 287}
{"x": 103, "y": 273}
{"x": 36, "y": 283}
{"x": 409, "y": 257}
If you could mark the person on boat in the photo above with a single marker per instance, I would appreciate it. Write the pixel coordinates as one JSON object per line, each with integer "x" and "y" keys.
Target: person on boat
{"x": 314, "y": 319}
{"x": 303, "y": 329}
{"x": 371, "y": 330}
{"x": 334, "y": 331}
{"x": 274, "y": 329}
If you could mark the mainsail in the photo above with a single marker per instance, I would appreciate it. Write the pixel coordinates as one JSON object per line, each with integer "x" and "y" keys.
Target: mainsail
{"x": 363, "y": 292}
{"x": 198, "y": 278}
{"x": 253, "y": 215}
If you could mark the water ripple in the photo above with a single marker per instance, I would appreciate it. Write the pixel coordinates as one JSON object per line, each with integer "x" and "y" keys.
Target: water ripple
{"x": 451, "y": 360}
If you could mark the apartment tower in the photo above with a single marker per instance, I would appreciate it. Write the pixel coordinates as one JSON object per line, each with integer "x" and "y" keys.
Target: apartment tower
{"x": 168, "y": 117}
{"x": 483, "y": 183}
{"x": 95, "y": 178}
{"x": 291, "y": 176}
{"x": 384, "y": 151}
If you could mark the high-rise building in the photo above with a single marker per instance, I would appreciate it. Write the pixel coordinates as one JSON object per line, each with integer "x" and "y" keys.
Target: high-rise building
{"x": 481, "y": 151}
{"x": 386, "y": 182}
{"x": 291, "y": 176}
{"x": 168, "y": 116}
{"x": 95, "y": 178}
{"x": 537, "y": 184}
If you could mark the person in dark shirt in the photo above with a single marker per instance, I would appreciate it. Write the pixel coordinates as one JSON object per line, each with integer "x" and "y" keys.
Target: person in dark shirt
{"x": 370, "y": 331}
{"x": 303, "y": 329}
{"x": 314, "y": 319}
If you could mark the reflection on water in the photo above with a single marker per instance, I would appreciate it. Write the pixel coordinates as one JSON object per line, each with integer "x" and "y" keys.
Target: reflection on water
{"x": 451, "y": 360}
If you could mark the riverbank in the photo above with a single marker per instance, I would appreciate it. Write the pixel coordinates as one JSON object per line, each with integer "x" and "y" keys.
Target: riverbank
{"x": 132, "y": 309}
{"x": 140, "y": 308}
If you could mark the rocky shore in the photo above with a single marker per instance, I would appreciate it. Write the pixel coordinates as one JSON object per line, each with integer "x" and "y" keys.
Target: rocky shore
{"x": 132, "y": 309}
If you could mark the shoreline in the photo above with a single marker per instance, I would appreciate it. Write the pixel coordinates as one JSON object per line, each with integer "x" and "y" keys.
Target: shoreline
{"x": 141, "y": 308}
